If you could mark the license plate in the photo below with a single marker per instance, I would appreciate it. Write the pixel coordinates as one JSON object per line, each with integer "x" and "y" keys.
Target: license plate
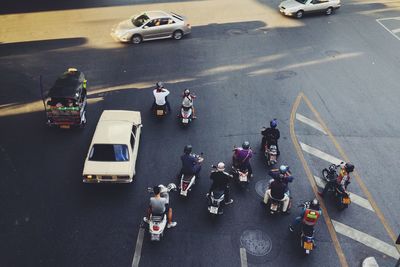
{"x": 160, "y": 112}
{"x": 214, "y": 210}
{"x": 64, "y": 126}
{"x": 274, "y": 206}
{"x": 243, "y": 178}
{"x": 185, "y": 120}
{"x": 183, "y": 193}
{"x": 346, "y": 200}
{"x": 308, "y": 245}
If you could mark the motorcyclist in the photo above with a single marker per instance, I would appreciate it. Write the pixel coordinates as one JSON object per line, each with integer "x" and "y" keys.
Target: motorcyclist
{"x": 342, "y": 180}
{"x": 190, "y": 162}
{"x": 285, "y": 175}
{"x": 241, "y": 157}
{"x": 277, "y": 190}
{"x": 220, "y": 181}
{"x": 160, "y": 96}
{"x": 309, "y": 215}
{"x": 270, "y": 136}
{"x": 158, "y": 206}
{"x": 187, "y": 101}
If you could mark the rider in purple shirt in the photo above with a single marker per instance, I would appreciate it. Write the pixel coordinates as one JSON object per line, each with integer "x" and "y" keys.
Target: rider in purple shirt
{"x": 242, "y": 157}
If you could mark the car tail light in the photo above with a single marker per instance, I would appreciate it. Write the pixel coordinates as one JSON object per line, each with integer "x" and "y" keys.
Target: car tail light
{"x": 156, "y": 227}
{"x": 188, "y": 25}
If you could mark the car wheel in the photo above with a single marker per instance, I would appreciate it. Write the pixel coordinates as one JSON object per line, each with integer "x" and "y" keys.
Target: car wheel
{"x": 136, "y": 39}
{"x": 299, "y": 14}
{"x": 177, "y": 35}
{"x": 329, "y": 11}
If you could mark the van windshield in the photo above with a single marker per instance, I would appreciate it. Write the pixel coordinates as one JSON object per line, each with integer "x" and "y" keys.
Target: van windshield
{"x": 109, "y": 152}
{"x": 140, "y": 20}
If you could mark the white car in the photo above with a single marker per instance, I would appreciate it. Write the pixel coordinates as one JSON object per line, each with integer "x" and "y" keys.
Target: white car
{"x": 114, "y": 148}
{"x": 298, "y": 8}
{"x": 151, "y": 25}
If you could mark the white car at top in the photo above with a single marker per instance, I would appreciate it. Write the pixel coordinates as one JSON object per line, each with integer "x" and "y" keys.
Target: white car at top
{"x": 114, "y": 148}
{"x": 298, "y": 8}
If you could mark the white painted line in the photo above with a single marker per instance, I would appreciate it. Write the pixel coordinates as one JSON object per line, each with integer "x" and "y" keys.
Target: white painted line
{"x": 370, "y": 262}
{"x": 391, "y": 18}
{"x": 310, "y": 122}
{"x": 396, "y": 30}
{"x": 320, "y": 154}
{"x": 366, "y": 239}
{"x": 243, "y": 257}
{"x": 138, "y": 248}
{"x": 356, "y": 199}
{"x": 395, "y": 36}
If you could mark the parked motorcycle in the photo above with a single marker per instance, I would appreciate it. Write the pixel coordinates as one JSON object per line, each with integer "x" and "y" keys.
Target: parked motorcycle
{"x": 158, "y": 222}
{"x": 188, "y": 181}
{"x": 186, "y": 115}
{"x": 342, "y": 196}
{"x": 271, "y": 155}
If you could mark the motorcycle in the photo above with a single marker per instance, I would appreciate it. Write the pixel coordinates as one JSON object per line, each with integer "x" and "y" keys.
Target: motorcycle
{"x": 215, "y": 202}
{"x": 186, "y": 115}
{"x": 240, "y": 174}
{"x": 271, "y": 155}
{"x": 342, "y": 196}
{"x": 158, "y": 222}
{"x": 160, "y": 110}
{"x": 187, "y": 181}
{"x": 276, "y": 205}
{"x": 307, "y": 238}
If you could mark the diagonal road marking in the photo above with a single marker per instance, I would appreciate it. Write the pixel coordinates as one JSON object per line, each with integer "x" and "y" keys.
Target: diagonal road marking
{"x": 138, "y": 248}
{"x": 386, "y": 28}
{"x": 356, "y": 199}
{"x": 320, "y": 154}
{"x": 366, "y": 239}
{"x": 396, "y": 30}
{"x": 310, "y": 122}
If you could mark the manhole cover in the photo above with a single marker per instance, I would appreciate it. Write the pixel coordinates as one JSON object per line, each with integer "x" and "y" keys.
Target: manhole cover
{"x": 261, "y": 187}
{"x": 235, "y": 31}
{"x": 284, "y": 74}
{"x": 256, "y": 242}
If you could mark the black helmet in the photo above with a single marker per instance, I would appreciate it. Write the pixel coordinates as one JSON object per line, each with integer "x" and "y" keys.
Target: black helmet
{"x": 349, "y": 167}
{"x": 187, "y": 149}
{"x": 273, "y": 123}
{"x": 246, "y": 145}
{"x": 314, "y": 204}
{"x": 159, "y": 84}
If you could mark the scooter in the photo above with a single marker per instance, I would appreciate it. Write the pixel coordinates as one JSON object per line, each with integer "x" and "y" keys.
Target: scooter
{"x": 276, "y": 205}
{"x": 271, "y": 155}
{"x": 158, "y": 222}
{"x": 240, "y": 175}
{"x": 186, "y": 115}
{"x": 188, "y": 181}
{"x": 342, "y": 196}
{"x": 216, "y": 201}
{"x": 160, "y": 111}
{"x": 307, "y": 241}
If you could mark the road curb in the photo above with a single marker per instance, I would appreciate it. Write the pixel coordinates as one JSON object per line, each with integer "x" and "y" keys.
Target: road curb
{"x": 370, "y": 262}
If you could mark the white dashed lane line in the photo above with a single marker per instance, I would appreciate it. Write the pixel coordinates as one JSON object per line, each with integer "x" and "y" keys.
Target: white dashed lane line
{"x": 396, "y": 30}
{"x": 243, "y": 257}
{"x": 393, "y": 31}
{"x": 366, "y": 239}
{"x": 138, "y": 248}
{"x": 356, "y": 199}
{"x": 310, "y": 122}
{"x": 320, "y": 154}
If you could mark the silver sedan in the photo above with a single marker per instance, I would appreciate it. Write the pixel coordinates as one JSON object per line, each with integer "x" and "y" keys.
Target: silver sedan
{"x": 151, "y": 25}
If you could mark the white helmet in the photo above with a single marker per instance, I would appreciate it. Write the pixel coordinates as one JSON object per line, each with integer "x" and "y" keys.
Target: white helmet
{"x": 221, "y": 166}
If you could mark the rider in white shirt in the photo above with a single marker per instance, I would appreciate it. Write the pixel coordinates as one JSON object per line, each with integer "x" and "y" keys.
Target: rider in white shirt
{"x": 187, "y": 101}
{"x": 160, "y": 96}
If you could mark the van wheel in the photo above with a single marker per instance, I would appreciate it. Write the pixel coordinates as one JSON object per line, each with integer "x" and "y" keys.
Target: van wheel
{"x": 136, "y": 39}
{"x": 329, "y": 11}
{"x": 299, "y": 14}
{"x": 177, "y": 35}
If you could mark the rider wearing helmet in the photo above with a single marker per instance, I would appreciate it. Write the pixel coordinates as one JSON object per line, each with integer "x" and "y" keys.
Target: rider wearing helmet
{"x": 242, "y": 156}
{"x": 187, "y": 101}
{"x": 220, "y": 180}
{"x": 342, "y": 180}
{"x": 309, "y": 215}
{"x": 190, "y": 162}
{"x": 270, "y": 136}
{"x": 277, "y": 189}
{"x": 160, "y": 96}
{"x": 284, "y": 174}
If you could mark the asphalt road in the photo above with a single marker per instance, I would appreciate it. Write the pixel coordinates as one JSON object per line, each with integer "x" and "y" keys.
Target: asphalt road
{"x": 247, "y": 64}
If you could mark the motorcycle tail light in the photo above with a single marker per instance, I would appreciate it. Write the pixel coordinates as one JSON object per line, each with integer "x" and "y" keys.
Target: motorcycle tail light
{"x": 156, "y": 227}
{"x": 184, "y": 186}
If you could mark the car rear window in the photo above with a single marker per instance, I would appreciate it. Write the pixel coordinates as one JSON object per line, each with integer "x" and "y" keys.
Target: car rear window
{"x": 109, "y": 152}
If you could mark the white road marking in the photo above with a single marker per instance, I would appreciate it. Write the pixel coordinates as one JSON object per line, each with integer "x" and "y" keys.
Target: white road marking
{"x": 138, "y": 248}
{"x": 396, "y": 30}
{"x": 310, "y": 122}
{"x": 356, "y": 199}
{"x": 243, "y": 257}
{"x": 366, "y": 239}
{"x": 320, "y": 154}
{"x": 392, "y": 33}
